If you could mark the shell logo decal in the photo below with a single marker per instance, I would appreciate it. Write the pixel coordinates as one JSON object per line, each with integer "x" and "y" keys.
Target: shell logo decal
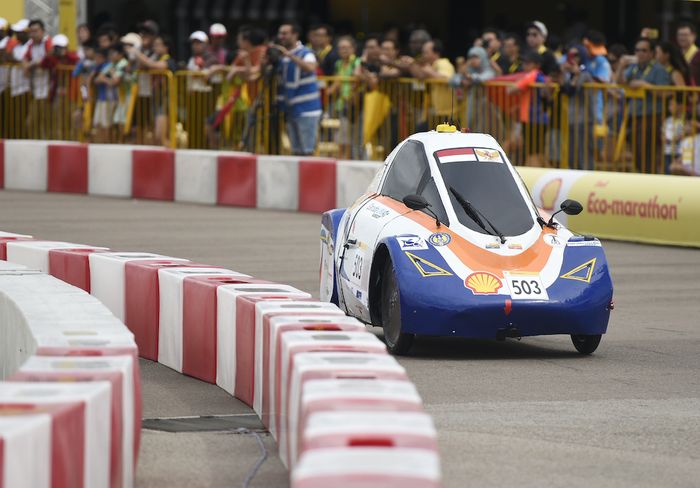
{"x": 549, "y": 193}
{"x": 483, "y": 283}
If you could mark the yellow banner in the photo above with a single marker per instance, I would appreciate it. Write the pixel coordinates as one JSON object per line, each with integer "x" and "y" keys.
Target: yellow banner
{"x": 632, "y": 207}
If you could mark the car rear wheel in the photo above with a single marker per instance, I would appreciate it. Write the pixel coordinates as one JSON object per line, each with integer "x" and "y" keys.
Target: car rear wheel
{"x": 397, "y": 342}
{"x": 586, "y": 344}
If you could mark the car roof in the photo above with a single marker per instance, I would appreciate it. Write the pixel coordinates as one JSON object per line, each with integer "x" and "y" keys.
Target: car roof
{"x": 435, "y": 141}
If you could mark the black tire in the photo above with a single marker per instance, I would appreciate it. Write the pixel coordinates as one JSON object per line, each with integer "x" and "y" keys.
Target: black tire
{"x": 586, "y": 344}
{"x": 398, "y": 342}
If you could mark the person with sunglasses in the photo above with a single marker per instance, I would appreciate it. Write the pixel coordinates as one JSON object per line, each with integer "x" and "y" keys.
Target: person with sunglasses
{"x": 536, "y": 35}
{"x": 641, "y": 71}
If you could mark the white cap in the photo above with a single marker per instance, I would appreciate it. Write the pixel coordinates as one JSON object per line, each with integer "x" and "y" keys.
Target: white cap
{"x": 3, "y": 23}
{"x": 59, "y": 40}
{"x": 199, "y": 36}
{"x": 20, "y": 25}
{"x": 540, "y": 27}
{"x": 217, "y": 30}
{"x": 133, "y": 39}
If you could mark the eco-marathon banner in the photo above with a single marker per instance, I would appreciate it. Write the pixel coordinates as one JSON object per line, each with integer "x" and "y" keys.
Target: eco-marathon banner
{"x": 633, "y": 207}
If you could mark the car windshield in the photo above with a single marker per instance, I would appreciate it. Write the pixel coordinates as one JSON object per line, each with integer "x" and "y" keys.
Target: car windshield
{"x": 482, "y": 178}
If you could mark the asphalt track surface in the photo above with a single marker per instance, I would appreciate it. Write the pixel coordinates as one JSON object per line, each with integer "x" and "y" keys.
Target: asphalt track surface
{"x": 515, "y": 413}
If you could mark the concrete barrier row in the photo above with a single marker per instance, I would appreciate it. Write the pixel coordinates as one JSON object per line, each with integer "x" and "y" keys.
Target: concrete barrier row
{"x": 341, "y": 409}
{"x": 634, "y": 207}
{"x": 70, "y": 399}
{"x": 209, "y": 177}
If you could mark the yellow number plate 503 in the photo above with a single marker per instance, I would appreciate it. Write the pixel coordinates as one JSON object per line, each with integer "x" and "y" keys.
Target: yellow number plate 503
{"x": 526, "y": 286}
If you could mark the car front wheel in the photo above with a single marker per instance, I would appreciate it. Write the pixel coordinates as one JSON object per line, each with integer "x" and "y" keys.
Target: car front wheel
{"x": 586, "y": 344}
{"x": 398, "y": 342}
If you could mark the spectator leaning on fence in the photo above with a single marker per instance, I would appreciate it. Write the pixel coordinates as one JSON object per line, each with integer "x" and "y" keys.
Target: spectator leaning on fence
{"x": 641, "y": 71}
{"x": 63, "y": 90}
{"x": 367, "y": 71}
{"x": 302, "y": 98}
{"x": 388, "y": 57}
{"x": 477, "y": 69}
{"x": 343, "y": 91}
{"x": 105, "y": 97}
{"x": 321, "y": 42}
{"x": 433, "y": 66}
{"x": 581, "y": 113}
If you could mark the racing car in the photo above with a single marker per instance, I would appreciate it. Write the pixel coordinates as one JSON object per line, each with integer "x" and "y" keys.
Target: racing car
{"x": 447, "y": 241}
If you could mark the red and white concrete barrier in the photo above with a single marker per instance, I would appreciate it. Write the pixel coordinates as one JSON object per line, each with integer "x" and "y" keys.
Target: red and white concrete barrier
{"x": 79, "y": 441}
{"x": 368, "y": 467}
{"x": 318, "y": 379}
{"x": 305, "y": 184}
{"x": 52, "y": 336}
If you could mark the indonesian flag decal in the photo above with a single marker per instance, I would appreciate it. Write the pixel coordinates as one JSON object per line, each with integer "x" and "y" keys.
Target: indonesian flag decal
{"x": 462, "y": 154}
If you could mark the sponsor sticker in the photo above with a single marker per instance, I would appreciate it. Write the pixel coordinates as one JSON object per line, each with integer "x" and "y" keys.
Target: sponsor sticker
{"x": 595, "y": 243}
{"x": 440, "y": 239}
{"x": 378, "y": 211}
{"x": 583, "y": 272}
{"x": 526, "y": 286}
{"x": 493, "y": 245}
{"x": 426, "y": 268}
{"x": 411, "y": 243}
{"x": 553, "y": 240}
{"x": 483, "y": 283}
{"x": 519, "y": 247}
{"x": 488, "y": 155}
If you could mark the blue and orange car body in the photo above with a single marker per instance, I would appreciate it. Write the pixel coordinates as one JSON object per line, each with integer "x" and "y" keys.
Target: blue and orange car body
{"x": 457, "y": 281}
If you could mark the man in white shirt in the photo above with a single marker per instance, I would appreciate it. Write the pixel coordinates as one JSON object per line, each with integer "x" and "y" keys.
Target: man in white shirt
{"x": 38, "y": 48}
{"x": 20, "y": 88}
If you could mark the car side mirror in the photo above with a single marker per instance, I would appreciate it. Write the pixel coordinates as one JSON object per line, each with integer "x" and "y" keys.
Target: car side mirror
{"x": 415, "y": 202}
{"x": 571, "y": 207}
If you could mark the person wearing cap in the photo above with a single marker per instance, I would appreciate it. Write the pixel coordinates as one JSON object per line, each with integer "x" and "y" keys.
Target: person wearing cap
{"x": 221, "y": 55}
{"x": 536, "y": 37}
{"x": 301, "y": 93}
{"x": 200, "y": 102}
{"x": 162, "y": 61}
{"x": 217, "y": 44}
{"x": 20, "y": 84}
{"x": 63, "y": 88}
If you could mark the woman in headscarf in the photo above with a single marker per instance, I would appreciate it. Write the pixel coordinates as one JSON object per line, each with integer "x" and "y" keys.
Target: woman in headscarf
{"x": 472, "y": 75}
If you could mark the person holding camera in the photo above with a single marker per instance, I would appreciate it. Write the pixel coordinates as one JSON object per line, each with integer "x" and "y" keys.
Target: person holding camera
{"x": 300, "y": 90}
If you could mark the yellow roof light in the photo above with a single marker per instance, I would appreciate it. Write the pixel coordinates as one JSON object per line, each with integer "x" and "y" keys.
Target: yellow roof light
{"x": 446, "y": 128}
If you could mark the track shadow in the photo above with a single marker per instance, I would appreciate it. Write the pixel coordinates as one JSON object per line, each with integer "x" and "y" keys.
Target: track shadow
{"x": 430, "y": 348}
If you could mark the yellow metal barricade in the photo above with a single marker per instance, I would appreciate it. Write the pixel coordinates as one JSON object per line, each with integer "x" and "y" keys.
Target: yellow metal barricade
{"x": 590, "y": 126}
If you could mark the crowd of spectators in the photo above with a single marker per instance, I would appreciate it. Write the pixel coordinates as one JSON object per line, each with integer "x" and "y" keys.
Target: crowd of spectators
{"x": 112, "y": 66}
